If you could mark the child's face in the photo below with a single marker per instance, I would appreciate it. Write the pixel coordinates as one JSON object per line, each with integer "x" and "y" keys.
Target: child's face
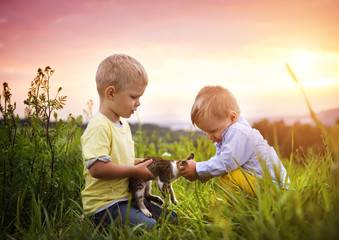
{"x": 127, "y": 101}
{"x": 214, "y": 128}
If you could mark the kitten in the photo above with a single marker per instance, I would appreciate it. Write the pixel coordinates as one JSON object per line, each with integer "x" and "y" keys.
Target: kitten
{"x": 165, "y": 171}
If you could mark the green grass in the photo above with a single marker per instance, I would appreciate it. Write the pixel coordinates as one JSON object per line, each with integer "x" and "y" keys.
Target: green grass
{"x": 307, "y": 210}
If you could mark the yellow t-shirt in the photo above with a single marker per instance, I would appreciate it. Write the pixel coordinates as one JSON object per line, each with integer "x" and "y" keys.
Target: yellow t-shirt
{"x": 103, "y": 139}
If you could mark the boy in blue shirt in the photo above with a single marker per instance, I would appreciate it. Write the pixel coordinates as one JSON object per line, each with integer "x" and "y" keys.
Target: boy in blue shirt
{"x": 216, "y": 112}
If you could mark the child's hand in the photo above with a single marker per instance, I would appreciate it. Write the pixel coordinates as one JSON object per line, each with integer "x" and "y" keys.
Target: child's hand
{"x": 143, "y": 172}
{"x": 189, "y": 172}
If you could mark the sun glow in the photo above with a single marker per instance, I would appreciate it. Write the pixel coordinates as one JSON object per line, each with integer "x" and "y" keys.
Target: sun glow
{"x": 324, "y": 82}
{"x": 303, "y": 61}
{"x": 308, "y": 68}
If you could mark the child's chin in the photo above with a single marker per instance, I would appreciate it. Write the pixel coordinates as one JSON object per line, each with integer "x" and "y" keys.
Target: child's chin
{"x": 128, "y": 115}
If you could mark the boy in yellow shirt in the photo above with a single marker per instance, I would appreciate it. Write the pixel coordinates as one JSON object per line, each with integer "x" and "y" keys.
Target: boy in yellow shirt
{"x": 108, "y": 148}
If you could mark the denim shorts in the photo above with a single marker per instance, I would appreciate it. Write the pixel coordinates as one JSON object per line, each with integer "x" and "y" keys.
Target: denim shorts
{"x": 120, "y": 213}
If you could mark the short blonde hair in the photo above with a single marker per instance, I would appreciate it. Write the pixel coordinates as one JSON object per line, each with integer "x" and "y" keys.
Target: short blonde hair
{"x": 213, "y": 102}
{"x": 120, "y": 71}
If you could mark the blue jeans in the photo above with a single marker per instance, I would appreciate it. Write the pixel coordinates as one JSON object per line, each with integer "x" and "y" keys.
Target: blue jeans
{"x": 119, "y": 211}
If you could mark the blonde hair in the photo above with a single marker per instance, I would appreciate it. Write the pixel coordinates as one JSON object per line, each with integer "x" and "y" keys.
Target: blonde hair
{"x": 120, "y": 71}
{"x": 213, "y": 102}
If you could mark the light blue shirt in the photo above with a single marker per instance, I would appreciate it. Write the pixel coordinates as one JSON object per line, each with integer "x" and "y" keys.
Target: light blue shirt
{"x": 246, "y": 145}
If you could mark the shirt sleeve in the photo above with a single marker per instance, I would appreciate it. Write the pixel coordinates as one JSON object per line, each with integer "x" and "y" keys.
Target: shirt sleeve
{"x": 93, "y": 160}
{"x": 235, "y": 148}
{"x": 97, "y": 143}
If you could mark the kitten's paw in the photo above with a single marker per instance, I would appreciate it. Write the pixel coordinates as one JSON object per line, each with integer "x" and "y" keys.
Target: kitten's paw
{"x": 146, "y": 212}
{"x": 175, "y": 202}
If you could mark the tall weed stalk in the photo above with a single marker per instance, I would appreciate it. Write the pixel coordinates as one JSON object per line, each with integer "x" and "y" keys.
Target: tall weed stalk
{"x": 38, "y": 155}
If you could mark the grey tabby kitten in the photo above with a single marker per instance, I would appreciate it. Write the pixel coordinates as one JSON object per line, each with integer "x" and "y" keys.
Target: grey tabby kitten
{"x": 165, "y": 172}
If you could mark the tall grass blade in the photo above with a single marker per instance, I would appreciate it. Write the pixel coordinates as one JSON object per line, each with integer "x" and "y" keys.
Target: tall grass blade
{"x": 312, "y": 113}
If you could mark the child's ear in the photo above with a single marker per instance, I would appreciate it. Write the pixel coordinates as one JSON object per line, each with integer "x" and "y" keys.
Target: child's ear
{"x": 110, "y": 91}
{"x": 233, "y": 116}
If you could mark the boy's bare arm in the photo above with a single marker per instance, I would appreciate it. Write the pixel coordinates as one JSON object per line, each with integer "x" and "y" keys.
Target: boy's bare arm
{"x": 189, "y": 171}
{"x": 109, "y": 170}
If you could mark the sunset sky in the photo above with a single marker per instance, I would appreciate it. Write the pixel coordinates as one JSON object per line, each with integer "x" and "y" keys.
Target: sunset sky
{"x": 183, "y": 45}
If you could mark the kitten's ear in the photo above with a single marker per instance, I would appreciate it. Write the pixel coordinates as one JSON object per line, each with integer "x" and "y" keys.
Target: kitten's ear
{"x": 191, "y": 156}
{"x": 184, "y": 161}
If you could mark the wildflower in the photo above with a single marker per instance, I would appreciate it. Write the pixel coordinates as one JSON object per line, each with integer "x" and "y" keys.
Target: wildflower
{"x": 166, "y": 154}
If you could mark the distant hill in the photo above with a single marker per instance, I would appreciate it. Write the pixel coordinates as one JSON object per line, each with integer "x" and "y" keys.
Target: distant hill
{"x": 162, "y": 132}
{"x": 327, "y": 117}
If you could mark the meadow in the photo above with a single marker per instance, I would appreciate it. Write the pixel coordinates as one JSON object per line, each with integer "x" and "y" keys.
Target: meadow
{"x": 41, "y": 182}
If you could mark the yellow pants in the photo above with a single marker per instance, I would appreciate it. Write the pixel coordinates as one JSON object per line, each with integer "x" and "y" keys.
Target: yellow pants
{"x": 239, "y": 177}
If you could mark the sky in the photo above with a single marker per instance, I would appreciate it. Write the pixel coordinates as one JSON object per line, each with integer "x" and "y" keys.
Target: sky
{"x": 183, "y": 45}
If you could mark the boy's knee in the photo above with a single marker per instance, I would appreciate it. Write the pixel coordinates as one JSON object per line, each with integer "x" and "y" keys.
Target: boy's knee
{"x": 148, "y": 224}
{"x": 173, "y": 218}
